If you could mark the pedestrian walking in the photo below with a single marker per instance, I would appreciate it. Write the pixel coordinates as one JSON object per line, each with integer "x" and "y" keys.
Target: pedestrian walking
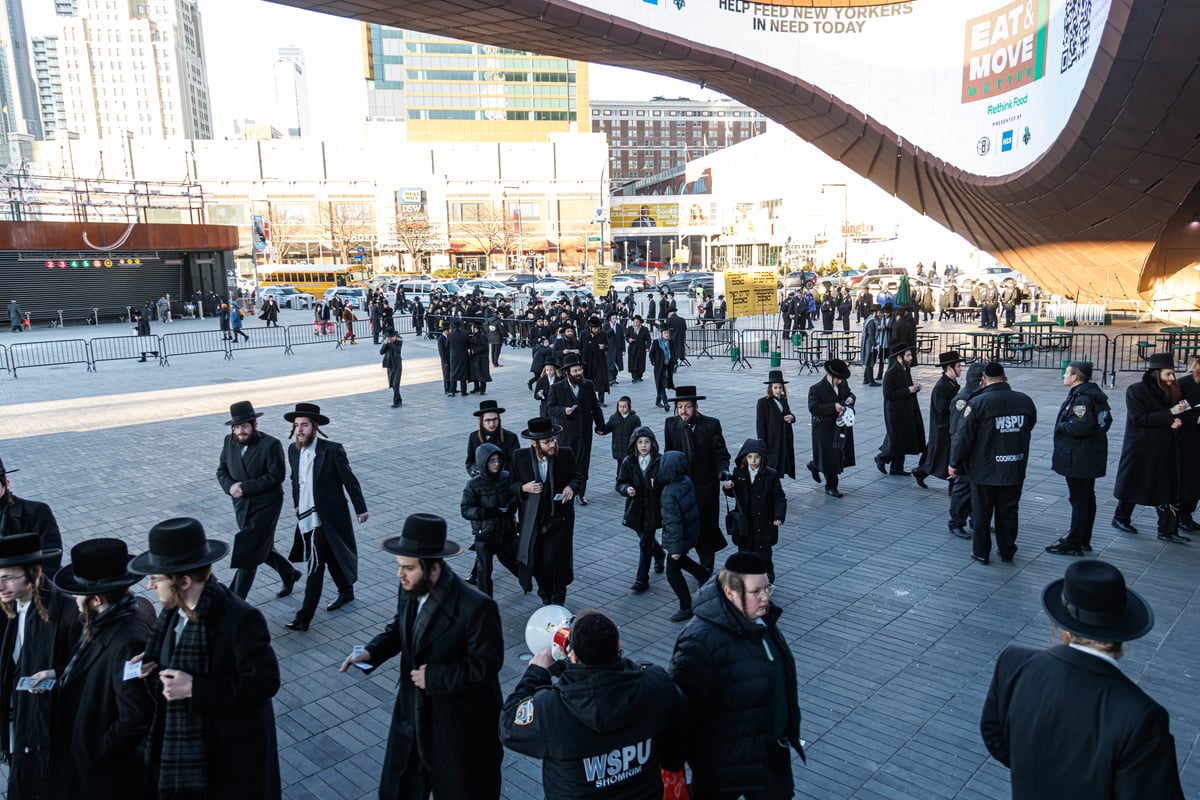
{"x": 489, "y": 501}
{"x": 773, "y": 421}
{"x": 1189, "y": 444}
{"x": 936, "y": 459}
{"x": 960, "y": 484}
{"x": 905, "y": 431}
{"x": 16, "y": 318}
{"x": 21, "y": 515}
{"x": 636, "y": 483}
{"x": 141, "y": 324}
{"x": 700, "y": 438}
{"x": 831, "y": 404}
{"x": 663, "y": 363}
{"x": 681, "y": 528}
{"x": 1080, "y": 454}
{"x": 574, "y": 407}
{"x": 760, "y": 507}
{"x": 392, "y": 351}
{"x": 621, "y": 425}
{"x": 235, "y": 324}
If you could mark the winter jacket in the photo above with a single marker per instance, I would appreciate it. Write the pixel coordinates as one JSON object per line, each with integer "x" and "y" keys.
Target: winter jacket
{"x": 642, "y": 510}
{"x": 762, "y": 502}
{"x": 680, "y": 515}
{"x": 992, "y": 443}
{"x": 621, "y": 428}
{"x": 488, "y": 500}
{"x": 1081, "y": 433}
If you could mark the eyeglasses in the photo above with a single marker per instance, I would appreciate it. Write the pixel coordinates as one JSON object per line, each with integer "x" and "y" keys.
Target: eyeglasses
{"x": 9, "y": 580}
{"x": 764, "y": 592}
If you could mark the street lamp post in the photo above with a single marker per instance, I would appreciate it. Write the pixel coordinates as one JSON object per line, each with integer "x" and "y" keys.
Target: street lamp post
{"x": 845, "y": 222}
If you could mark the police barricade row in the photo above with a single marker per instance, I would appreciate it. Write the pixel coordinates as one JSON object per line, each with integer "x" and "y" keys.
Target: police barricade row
{"x": 1028, "y": 347}
{"x": 123, "y": 348}
{"x": 4, "y": 358}
{"x": 195, "y": 343}
{"x": 712, "y": 338}
{"x": 316, "y": 332}
{"x": 24, "y": 355}
{"x": 1131, "y": 351}
{"x": 261, "y": 338}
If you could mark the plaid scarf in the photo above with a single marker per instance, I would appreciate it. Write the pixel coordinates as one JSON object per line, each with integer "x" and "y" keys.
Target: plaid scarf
{"x": 183, "y": 761}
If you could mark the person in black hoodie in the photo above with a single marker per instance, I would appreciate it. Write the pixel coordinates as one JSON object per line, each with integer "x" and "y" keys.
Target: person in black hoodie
{"x": 490, "y": 503}
{"x": 681, "y": 527}
{"x": 621, "y": 426}
{"x": 1080, "y": 454}
{"x": 635, "y": 482}
{"x": 759, "y": 497}
{"x": 739, "y": 678}
{"x": 607, "y": 729}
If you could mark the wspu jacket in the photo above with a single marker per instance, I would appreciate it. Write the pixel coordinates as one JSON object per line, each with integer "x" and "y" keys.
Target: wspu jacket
{"x": 992, "y": 441}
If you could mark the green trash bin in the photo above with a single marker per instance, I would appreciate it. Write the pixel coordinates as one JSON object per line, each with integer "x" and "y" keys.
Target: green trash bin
{"x": 735, "y": 353}
{"x": 1058, "y": 320}
{"x": 776, "y": 358}
{"x": 796, "y": 339}
{"x": 1033, "y": 317}
{"x": 764, "y": 345}
{"x": 1108, "y": 319}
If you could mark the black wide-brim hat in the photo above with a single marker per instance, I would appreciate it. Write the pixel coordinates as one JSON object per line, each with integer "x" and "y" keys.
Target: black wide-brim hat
{"x": 242, "y": 411}
{"x": 424, "y": 536}
{"x": 4, "y": 471}
{"x": 838, "y": 369}
{"x": 684, "y": 393}
{"x": 487, "y": 407}
{"x": 1092, "y": 601}
{"x": 309, "y": 410}
{"x": 178, "y": 545}
{"x": 900, "y": 349}
{"x": 948, "y": 358}
{"x": 541, "y": 428}
{"x": 571, "y": 360}
{"x": 1161, "y": 361}
{"x": 98, "y": 566}
{"x": 774, "y": 376}
{"x": 24, "y": 548}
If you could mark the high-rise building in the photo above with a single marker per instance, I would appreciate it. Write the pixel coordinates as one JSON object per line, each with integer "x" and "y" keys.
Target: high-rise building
{"x": 291, "y": 93}
{"x": 48, "y": 76}
{"x": 452, "y": 91}
{"x": 18, "y": 93}
{"x": 647, "y": 138}
{"x": 130, "y": 69}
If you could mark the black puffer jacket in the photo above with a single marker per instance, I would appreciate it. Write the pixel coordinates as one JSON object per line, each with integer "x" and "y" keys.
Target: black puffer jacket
{"x": 762, "y": 501}
{"x": 721, "y": 665}
{"x": 680, "y": 514}
{"x": 641, "y": 510}
{"x": 1081, "y": 433}
{"x": 485, "y": 495}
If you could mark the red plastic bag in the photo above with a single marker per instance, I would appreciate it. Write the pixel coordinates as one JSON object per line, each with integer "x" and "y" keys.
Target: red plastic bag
{"x": 674, "y": 785}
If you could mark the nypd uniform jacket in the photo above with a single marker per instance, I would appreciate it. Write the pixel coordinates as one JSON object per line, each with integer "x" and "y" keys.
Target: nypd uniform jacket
{"x": 1080, "y": 433}
{"x": 992, "y": 441}
{"x": 602, "y": 732}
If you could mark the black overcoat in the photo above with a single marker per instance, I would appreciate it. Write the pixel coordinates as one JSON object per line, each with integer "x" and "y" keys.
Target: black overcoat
{"x": 777, "y": 434}
{"x": 481, "y": 368}
{"x": 595, "y": 360}
{"x": 578, "y": 426}
{"x": 937, "y": 453}
{"x": 458, "y": 348}
{"x": 642, "y": 511}
{"x": 261, "y": 472}
{"x": 828, "y": 457}
{"x": 707, "y": 463}
{"x": 639, "y": 343}
{"x": 332, "y": 481}
{"x": 762, "y": 501}
{"x": 1189, "y": 441}
{"x": 33, "y": 516}
{"x": 454, "y": 721}
{"x": 552, "y": 519}
{"x": 901, "y": 413}
{"x": 1147, "y": 473}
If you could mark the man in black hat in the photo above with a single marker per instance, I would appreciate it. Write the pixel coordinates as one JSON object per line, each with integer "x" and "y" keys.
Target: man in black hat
{"x": 321, "y": 479}
{"x": 548, "y": 480}
{"x": 458, "y": 350}
{"x": 210, "y": 666}
{"x": 443, "y": 736}
{"x": 40, "y": 625}
{"x": 700, "y": 438}
{"x": 773, "y": 421}
{"x": 594, "y": 358}
{"x": 444, "y": 358}
{"x": 829, "y": 400}
{"x": 574, "y": 407}
{"x": 905, "y": 430}
{"x": 637, "y": 337}
{"x": 18, "y": 515}
{"x": 869, "y": 343}
{"x": 252, "y": 471}
{"x": 392, "y": 351}
{"x": 992, "y": 447}
{"x": 102, "y": 719}
{"x": 1066, "y": 721}
{"x": 142, "y": 327}
{"x": 1148, "y": 473}
{"x": 739, "y": 677}
{"x": 678, "y": 327}
{"x": 936, "y": 460}
{"x": 663, "y": 363}
{"x": 620, "y": 720}
{"x": 1080, "y": 454}
{"x": 491, "y": 431}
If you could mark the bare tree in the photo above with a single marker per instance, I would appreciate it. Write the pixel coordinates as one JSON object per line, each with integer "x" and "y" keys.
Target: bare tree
{"x": 346, "y": 226}
{"x": 493, "y": 231}
{"x": 288, "y": 233}
{"x": 413, "y": 233}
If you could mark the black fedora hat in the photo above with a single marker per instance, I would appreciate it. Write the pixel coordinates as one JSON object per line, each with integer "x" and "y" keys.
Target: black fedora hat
{"x": 424, "y": 536}
{"x": 242, "y": 411}
{"x": 487, "y": 407}
{"x": 685, "y": 393}
{"x": 97, "y": 566}
{"x": 1161, "y": 361}
{"x": 4, "y": 471}
{"x": 948, "y": 358}
{"x": 178, "y": 545}
{"x": 900, "y": 348}
{"x": 571, "y": 360}
{"x": 541, "y": 428}
{"x": 775, "y": 376}
{"x": 309, "y": 410}
{"x": 24, "y": 548}
{"x": 1092, "y": 601}
{"x": 838, "y": 369}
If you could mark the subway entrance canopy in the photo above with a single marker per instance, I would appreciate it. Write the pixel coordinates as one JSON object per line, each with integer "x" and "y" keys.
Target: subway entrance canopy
{"x": 1060, "y": 135}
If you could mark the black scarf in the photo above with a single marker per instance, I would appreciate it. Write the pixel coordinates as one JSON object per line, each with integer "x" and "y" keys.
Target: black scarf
{"x": 122, "y": 609}
{"x": 183, "y": 761}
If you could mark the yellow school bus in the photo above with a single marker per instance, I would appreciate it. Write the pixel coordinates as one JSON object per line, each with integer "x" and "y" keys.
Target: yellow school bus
{"x": 311, "y": 278}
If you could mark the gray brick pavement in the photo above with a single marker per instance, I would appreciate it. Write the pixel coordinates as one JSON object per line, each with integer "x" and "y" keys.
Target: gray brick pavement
{"x": 894, "y": 628}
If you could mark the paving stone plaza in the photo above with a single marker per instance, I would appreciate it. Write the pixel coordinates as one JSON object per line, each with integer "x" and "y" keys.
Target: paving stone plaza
{"x": 894, "y": 628}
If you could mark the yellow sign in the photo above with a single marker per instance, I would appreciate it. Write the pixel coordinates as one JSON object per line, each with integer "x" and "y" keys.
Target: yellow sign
{"x": 601, "y": 279}
{"x": 750, "y": 292}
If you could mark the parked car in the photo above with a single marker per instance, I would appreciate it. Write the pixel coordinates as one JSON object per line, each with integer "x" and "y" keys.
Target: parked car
{"x": 622, "y": 283}
{"x": 1000, "y": 274}
{"x": 547, "y": 285}
{"x": 285, "y": 296}
{"x": 353, "y": 295}
{"x": 640, "y": 280}
{"x": 493, "y": 289}
{"x": 569, "y": 293}
{"x": 881, "y": 275}
{"x": 802, "y": 279}
{"x": 520, "y": 280}
{"x": 686, "y": 282}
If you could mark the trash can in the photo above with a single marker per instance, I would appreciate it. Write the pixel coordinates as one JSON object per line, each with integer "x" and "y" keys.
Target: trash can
{"x": 796, "y": 339}
{"x": 1108, "y": 319}
{"x": 764, "y": 345}
{"x": 735, "y": 353}
{"x": 1033, "y": 317}
{"x": 1058, "y": 320}
{"x": 776, "y": 358}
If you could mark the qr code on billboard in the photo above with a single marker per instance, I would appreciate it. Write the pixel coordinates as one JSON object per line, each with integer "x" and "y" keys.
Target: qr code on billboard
{"x": 1077, "y": 30}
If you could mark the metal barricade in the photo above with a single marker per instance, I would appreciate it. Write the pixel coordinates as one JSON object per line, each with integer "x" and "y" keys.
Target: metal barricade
{"x": 194, "y": 343}
{"x": 1131, "y": 351}
{"x": 4, "y": 358}
{"x": 262, "y": 338}
{"x": 709, "y": 340}
{"x": 59, "y": 352}
{"x": 123, "y": 348}
{"x": 312, "y": 333}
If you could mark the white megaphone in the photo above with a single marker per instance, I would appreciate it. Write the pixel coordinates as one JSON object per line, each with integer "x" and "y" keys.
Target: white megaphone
{"x": 549, "y": 626}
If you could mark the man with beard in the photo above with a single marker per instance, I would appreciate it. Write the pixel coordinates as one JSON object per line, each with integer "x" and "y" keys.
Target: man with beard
{"x": 941, "y": 399}
{"x": 901, "y": 412}
{"x": 1189, "y": 445}
{"x": 102, "y": 719}
{"x": 458, "y": 348}
{"x": 548, "y": 481}
{"x": 960, "y": 484}
{"x": 638, "y": 339}
{"x": 700, "y": 438}
{"x": 18, "y": 515}
{"x": 832, "y": 439}
{"x": 1148, "y": 473}
{"x": 321, "y": 479}
{"x": 491, "y": 431}
{"x": 211, "y": 669}
{"x": 595, "y": 359}
{"x": 251, "y": 471}
{"x": 567, "y": 344}
{"x": 443, "y": 738}
{"x": 40, "y": 625}
{"x": 614, "y": 332}
{"x": 1080, "y": 453}
{"x": 573, "y": 407}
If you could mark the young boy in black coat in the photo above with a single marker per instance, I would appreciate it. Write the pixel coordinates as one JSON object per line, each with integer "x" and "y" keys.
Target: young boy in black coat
{"x": 760, "y": 499}
{"x": 635, "y": 482}
{"x": 489, "y": 502}
{"x": 621, "y": 425}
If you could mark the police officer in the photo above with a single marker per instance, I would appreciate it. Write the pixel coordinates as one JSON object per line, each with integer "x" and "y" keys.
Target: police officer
{"x": 992, "y": 446}
{"x": 1080, "y": 454}
{"x": 608, "y": 725}
{"x": 960, "y": 484}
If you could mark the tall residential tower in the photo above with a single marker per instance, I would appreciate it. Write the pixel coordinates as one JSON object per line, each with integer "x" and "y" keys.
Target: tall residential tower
{"x": 291, "y": 93}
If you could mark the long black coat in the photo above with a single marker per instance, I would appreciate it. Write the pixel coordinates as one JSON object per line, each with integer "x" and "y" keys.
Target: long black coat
{"x": 332, "y": 481}
{"x": 459, "y": 641}
{"x": 639, "y": 343}
{"x": 901, "y": 413}
{"x": 103, "y": 719}
{"x": 458, "y": 348}
{"x": 678, "y": 327}
{"x": 595, "y": 360}
{"x": 709, "y": 461}
{"x": 828, "y": 457}
{"x": 1147, "y": 473}
{"x": 762, "y": 501}
{"x": 642, "y": 511}
{"x": 1189, "y": 441}
{"x": 233, "y": 697}
{"x": 1081, "y": 433}
{"x": 1069, "y": 724}
{"x": 481, "y": 370}
{"x": 937, "y": 452}
{"x": 777, "y": 434}
{"x": 261, "y": 473}
{"x": 578, "y": 426}
{"x": 33, "y": 516}
{"x": 542, "y": 517}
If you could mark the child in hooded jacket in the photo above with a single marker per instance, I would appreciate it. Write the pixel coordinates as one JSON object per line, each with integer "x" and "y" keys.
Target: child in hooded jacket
{"x": 681, "y": 528}
{"x": 621, "y": 425}
{"x": 489, "y": 502}
{"x": 758, "y": 494}
{"x": 635, "y": 482}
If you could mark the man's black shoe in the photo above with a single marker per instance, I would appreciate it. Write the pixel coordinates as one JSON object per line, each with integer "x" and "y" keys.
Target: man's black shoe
{"x": 960, "y": 532}
{"x": 1123, "y": 526}
{"x": 903, "y": 473}
{"x": 289, "y": 583}
{"x": 342, "y": 599}
{"x": 920, "y": 478}
{"x": 582, "y": 500}
{"x": 980, "y": 559}
{"x": 1087, "y": 548}
{"x": 1176, "y": 538}
{"x": 1064, "y": 549}
{"x": 879, "y": 465}
{"x": 834, "y": 493}
{"x": 639, "y": 586}
{"x": 812, "y": 468}
{"x": 298, "y": 624}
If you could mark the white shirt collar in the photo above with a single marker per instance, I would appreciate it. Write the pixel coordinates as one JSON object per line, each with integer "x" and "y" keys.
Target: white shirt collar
{"x": 1093, "y": 652}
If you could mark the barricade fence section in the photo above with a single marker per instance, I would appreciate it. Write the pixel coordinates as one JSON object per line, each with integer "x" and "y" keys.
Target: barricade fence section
{"x": 1131, "y": 351}
{"x": 123, "y": 348}
{"x": 24, "y": 355}
{"x": 708, "y": 340}
{"x": 194, "y": 343}
{"x": 262, "y": 338}
{"x": 4, "y": 358}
